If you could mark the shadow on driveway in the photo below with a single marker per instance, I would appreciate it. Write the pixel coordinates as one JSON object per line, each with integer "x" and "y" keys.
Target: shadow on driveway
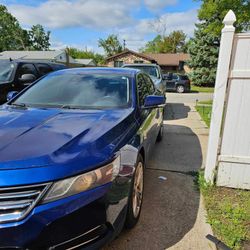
{"x": 170, "y": 206}
{"x": 175, "y": 111}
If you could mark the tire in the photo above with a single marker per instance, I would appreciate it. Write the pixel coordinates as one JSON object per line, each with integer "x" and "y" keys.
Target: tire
{"x": 180, "y": 89}
{"x": 160, "y": 134}
{"x": 136, "y": 195}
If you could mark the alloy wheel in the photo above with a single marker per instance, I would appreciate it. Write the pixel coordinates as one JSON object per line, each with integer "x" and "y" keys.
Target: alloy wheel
{"x": 138, "y": 190}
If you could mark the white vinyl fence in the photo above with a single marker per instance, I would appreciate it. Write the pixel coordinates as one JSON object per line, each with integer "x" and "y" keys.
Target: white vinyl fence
{"x": 228, "y": 157}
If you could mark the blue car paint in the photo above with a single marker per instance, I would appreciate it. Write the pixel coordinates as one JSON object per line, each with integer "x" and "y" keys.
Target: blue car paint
{"x": 40, "y": 145}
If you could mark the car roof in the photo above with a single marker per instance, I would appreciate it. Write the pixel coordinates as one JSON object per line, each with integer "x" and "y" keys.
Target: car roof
{"x": 101, "y": 70}
{"x": 30, "y": 61}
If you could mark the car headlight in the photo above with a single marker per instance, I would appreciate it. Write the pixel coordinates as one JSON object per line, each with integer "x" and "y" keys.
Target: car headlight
{"x": 83, "y": 182}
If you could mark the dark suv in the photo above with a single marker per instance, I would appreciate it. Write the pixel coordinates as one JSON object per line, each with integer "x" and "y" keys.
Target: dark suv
{"x": 177, "y": 82}
{"x": 15, "y": 75}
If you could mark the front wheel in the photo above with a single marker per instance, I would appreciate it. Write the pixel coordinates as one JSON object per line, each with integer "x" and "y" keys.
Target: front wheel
{"x": 136, "y": 195}
{"x": 180, "y": 89}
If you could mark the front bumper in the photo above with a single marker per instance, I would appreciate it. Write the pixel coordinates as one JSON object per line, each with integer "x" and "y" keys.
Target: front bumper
{"x": 86, "y": 220}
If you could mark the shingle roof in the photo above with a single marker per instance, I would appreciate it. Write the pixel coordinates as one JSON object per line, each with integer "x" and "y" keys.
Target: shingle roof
{"x": 168, "y": 59}
{"x": 127, "y": 51}
{"x": 43, "y": 55}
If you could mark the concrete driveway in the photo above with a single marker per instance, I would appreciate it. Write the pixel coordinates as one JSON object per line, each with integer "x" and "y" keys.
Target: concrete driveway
{"x": 173, "y": 215}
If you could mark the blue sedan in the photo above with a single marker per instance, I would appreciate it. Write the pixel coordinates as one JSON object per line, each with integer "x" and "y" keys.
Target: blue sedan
{"x": 73, "y": 150}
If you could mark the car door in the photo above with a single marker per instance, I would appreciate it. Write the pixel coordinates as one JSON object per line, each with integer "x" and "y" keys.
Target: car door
{"x": 24, "y": 68}
{"x": 170, "y": 82}
{"x": 147, "y": 116}
{"x": 155, "y": 112}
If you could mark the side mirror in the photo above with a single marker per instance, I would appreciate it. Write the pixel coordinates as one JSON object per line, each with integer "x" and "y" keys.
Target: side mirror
{"x": 154, "y": 101}
{"x": 11, "y": 95}
{"x": 27, "y": 78}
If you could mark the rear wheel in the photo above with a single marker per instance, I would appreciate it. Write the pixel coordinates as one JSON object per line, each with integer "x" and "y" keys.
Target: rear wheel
{"x": 180, "y": 89}
{"x": 136, "y": 195}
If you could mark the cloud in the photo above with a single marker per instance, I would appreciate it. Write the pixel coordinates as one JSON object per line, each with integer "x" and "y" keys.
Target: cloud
{"x": 137, "y": 35}
{"x": 78, "y": 13}
{"x": 181, "y": 21}
{"x": 157, "y": 5}
{"x": 107, "y": 16}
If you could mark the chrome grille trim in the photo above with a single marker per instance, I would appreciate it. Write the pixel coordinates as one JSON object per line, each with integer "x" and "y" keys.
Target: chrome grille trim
{"x": 17, "y": 202}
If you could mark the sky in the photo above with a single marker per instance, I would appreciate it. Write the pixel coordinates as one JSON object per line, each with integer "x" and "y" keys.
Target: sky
{"x": 80, "y": 23}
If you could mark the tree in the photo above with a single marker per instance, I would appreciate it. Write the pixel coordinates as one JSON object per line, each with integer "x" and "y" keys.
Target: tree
{"x": 12, "y": 36}
{"x": 204, "y": 46}
{"x": 203, "y": 50}
{"x": 39, "y": 39}
{"x": 111, "y": 45}
{"x": 85, "y": 54}
{"x": 212, "y": 12}
{"x": 173, "y": 43}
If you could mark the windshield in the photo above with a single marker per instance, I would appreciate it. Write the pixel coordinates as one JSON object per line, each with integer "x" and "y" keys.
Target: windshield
{"x": 150, "y": 70}
{"x": 6, "y": 70}
{"x": 78, "y": 91}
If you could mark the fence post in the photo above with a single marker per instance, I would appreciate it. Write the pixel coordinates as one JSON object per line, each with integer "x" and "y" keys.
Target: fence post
{"x": 222, "y": 74}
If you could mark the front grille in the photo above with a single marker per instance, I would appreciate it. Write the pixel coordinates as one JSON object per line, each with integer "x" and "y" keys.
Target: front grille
{"x": 17, "y": 202}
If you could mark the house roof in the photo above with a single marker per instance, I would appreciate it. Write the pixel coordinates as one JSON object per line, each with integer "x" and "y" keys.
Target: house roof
{"x": 127, "y": 51}
{"x": 42, "y": 55}
{"x": 89, "y": 62}
{"x": 168, "y": 59}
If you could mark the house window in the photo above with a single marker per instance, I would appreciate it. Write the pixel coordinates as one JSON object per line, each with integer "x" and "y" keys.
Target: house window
{"x": 118, "y": 63}
{"x": 138, "y": 61}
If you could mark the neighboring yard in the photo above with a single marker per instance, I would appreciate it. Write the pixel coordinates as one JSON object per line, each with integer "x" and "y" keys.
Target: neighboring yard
{"x": 204, "y": 108}
{"x": 202, "y": 89}
{"x": 228, "y": 210}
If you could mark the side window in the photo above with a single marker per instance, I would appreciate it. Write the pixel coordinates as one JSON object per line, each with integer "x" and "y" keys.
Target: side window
{"x": 175, "y": 77}
{"x": 142, "y": 89}
{"x": 150, "y": 85}
{"x": 27, "y": 68}
{"x": 43, "y": 68}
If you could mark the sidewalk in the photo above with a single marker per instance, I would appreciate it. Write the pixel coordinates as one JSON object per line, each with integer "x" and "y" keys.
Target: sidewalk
{"x": 195, "y": 238}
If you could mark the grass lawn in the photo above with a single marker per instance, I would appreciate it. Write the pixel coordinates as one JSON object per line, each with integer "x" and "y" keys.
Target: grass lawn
{"x": 228, "y": 212}
{"x": 205, "y": 111}
{"x": 209, "y": 102}
{"x": 202, "y": 89}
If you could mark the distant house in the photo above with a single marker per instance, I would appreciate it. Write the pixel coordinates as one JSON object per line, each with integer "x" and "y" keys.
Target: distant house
{"x": 168, "y": 62}
{"x": 126, "y": 57}
{"x": 58, "y": 56}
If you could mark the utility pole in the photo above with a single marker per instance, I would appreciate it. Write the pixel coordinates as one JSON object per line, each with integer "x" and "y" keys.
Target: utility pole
{"x": 124, "y": 44}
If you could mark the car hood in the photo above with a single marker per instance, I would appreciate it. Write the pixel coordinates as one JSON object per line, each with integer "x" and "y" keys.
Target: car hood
{"x": 41, "y": 137}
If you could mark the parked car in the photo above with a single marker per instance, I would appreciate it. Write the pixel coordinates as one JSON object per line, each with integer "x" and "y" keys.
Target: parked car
{"x": 16, "y": 75}
{"x": 177, "y": 82}
{"x": 73, "y": 149}
{"x": 153, "y": 70}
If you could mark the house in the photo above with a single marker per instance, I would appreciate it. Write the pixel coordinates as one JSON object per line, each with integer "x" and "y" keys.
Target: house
{"x": 126, "y": 57}
{"x": 59, "y": 56}
{"x": 167, "y": 62}
{"x": 171, "y": 62}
